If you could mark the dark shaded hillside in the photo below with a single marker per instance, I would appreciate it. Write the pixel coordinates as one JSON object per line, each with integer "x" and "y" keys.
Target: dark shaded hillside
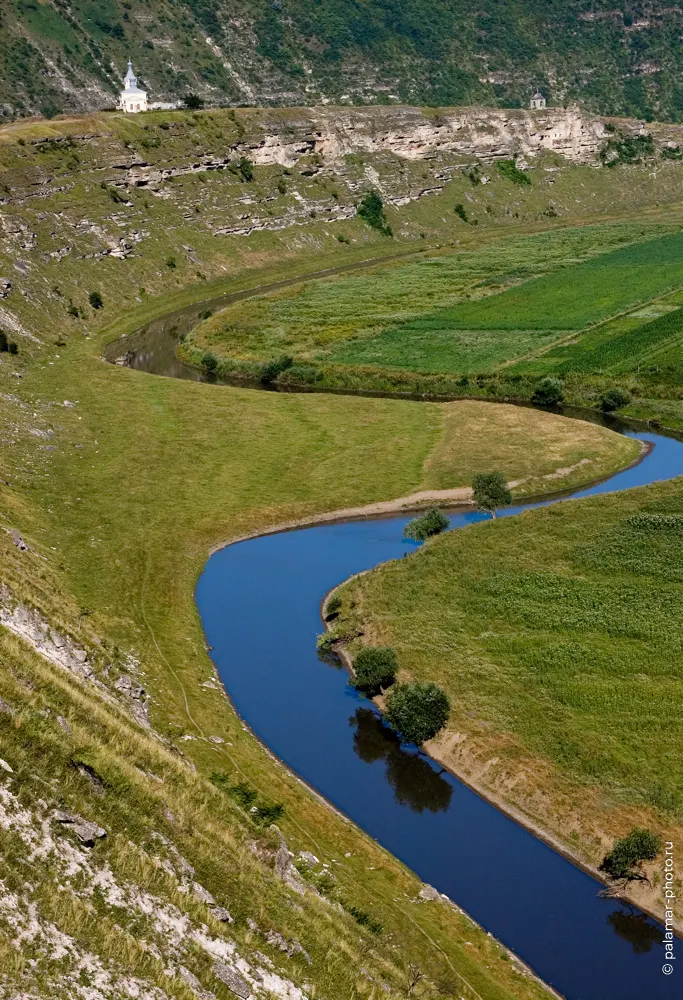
{"x": 65, "y": 55}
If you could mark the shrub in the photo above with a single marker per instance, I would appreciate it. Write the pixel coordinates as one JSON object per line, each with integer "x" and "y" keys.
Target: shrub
{"x": 510, "y": 170}
{"x": 614, "y": 399}
{"x": 333, "y": 607}
{"x": 281, "y": 186}
{"x": 548, "y": 392}
{"x": 672, "y": 153}
{"x": 460, "y": 211}
{"x": 490, "y": 491}
{"x": 431, "y": 523}
{"x": 209, "y": 361}
{"x": 300, "y": 375}
{"x": 365, "y": 920}
{"x": 193, "y": 102}
{"x": 374, "y": 668}
{"x": 417, "y": 711}
{"x": 95, "y": 300}
{"x": 246, "y": 169}
{"x": 171, "y": 261}
{"x": 13, "y": 347}
{"x": 371, "y": 210}
{"x": 4, "y": 343}
{"x": 272, "y": 368}
{"x": 624, "y": 861}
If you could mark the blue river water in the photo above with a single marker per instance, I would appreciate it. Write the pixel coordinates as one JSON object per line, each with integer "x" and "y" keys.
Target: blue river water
{"x": 260, "y": 605}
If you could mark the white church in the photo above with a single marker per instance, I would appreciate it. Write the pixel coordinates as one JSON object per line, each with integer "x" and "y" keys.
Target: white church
{"x": 132, "y": 99}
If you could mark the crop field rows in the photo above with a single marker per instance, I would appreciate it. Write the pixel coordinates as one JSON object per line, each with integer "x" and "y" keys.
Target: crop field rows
{"x": 578, "y": 300}
{"x": 383, "y": 310}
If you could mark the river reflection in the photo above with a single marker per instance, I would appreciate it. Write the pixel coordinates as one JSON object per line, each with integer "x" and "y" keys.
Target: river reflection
{"x": 638, "y": 929}
{"x": 414, "y": 780}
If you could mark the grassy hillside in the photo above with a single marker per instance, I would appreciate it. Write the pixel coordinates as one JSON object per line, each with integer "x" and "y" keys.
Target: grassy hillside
{"x": 556, "y": 635}
{"x": 70, "y": 56}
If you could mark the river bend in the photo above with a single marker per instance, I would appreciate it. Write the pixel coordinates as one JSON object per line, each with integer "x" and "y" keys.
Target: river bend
{"x": 260, "y": 606}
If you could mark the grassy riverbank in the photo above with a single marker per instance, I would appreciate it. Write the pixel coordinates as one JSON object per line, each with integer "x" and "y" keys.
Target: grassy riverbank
{"x": 119, "y": 493}
{"x": 557, "y": 637}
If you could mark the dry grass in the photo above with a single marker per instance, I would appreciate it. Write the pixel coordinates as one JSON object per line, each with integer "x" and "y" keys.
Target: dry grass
{"x": 524, "y": 444}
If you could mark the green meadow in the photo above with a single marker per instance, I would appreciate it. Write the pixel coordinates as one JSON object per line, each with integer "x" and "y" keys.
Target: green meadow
{"x": 558, "y": 636}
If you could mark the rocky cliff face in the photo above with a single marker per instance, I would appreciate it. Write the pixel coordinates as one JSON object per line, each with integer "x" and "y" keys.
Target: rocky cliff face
{"x": 411, "y": 133}
{"x": 178, "y": 192}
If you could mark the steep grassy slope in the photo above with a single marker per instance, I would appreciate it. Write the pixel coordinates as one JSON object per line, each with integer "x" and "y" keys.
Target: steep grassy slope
{"x": 557, "y": 636}
{"x": 70, "y": 54}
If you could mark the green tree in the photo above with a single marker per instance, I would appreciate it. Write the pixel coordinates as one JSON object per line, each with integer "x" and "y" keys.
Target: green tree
{"x": 95, "y": 300}
{"x": 548, "y": 392}
{"x": 624, "y": 862}
{"x": 614, "y": 399}
{"x": 417, "y": 711}
{"x": 431, "y": 523}
{"x": 371, "y": 210}
{"x": 490, "y": 491}
{"x": 246, "y": 169}
{"x": 374, "y": 668}
{"x": 13, "y": 347}
{"x": 209, "y": 361}
{"x": 193, "y": 102}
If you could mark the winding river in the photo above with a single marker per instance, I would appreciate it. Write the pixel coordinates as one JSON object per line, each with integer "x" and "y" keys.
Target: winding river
{"x": 259, "y": 602}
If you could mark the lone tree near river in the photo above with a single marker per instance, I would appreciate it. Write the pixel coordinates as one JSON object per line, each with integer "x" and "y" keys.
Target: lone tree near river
{"x": 417, "y": 711}
{"x": 490, "y": 491}
{"x": 624, "y": 862}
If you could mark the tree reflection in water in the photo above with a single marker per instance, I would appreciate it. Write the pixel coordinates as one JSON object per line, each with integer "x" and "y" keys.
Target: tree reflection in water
{"x": 637, "y": 928}
{"x": 413, "y": 779}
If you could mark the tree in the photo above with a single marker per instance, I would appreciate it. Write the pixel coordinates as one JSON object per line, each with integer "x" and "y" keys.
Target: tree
{"x": 95, "y": 300}
{"x": 431, "y": 523}
{"x": 548, "y": 392}
{"x": 490, "y": 491}
{"x": 13, "y": 347}
{"x": 209, "y": 361}
{"x": 614, "y": 399}
{"x": 193, "y": 102}
{"x": 246, "y": 168}
{"x": 417, "y": 711}
{"x": 374, "y": 668}
{"x": 371, "y": 210}
{"x": 4, "y": 343}
{"x": 624, "y": 862}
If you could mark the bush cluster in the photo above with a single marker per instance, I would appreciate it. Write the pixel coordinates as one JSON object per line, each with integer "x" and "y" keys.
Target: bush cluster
{"x": 548, "y": 392}
{"x": 374, "y": 668}
{"x": 510, "y": 170}
{"x": 431, "y": 523}
{"x": 371, "y": 210}
{"x": 614, "y": 399}
{"x": 274, "y": 367}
